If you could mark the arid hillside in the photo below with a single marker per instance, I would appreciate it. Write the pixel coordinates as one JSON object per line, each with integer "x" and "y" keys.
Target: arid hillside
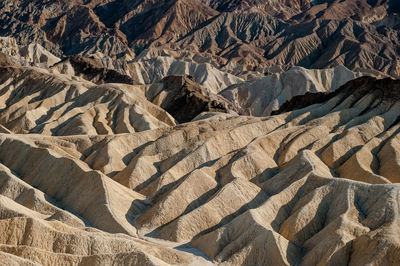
{"x": 199, "y": 132}
{"x": 312, "y": 185}
{"x": 245, "y": 34}
{"x": 110, "y": 173}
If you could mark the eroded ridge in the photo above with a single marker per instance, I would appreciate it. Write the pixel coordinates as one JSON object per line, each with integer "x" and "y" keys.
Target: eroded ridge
{"x": 316, "y": 185}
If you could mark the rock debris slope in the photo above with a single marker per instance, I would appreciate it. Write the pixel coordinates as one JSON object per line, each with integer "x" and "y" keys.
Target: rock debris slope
{"x": 29, "y": 55}
{"x": 313, "y": 184}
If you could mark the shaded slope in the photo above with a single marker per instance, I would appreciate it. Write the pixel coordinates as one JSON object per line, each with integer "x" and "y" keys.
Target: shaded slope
{"x": 90, "y": 69}
{"x": 184, "y": 99}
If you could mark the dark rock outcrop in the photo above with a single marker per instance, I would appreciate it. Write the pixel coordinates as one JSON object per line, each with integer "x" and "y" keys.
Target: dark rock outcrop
{"x": 184, "y": 99}
{"x": 4, "y": 60}
{"x": 92, "y": 69}
{"x": 384, "y": 89}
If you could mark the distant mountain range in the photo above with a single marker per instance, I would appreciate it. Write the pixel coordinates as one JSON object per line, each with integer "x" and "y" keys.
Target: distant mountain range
{"x": 246, "y": 35}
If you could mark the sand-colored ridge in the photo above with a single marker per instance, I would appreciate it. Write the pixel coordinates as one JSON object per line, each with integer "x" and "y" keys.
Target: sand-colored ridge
{"x": 100, "y": 174}
{"x": 199, "y": 132}
{"x": 36, "y": 101}
{"x": 192, "y": 183}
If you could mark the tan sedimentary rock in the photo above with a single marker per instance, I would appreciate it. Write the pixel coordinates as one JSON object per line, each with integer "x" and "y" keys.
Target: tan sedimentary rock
{"x": 315, "y": 184}
{"x": 36, "y": 101}
{"x": 118, "y": 148}
{"x": 27, "y": 55}
{"x": 261, "y": 96}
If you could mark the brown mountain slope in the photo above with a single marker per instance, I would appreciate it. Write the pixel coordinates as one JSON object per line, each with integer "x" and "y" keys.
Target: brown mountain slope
{"x": 100, "y": 26}
{"x": 301, "y": 10}
{"x": 252, "y": 39}
{"x": 157, "y": 22}
{"x": 184, "y": 99}
{"x": 362, "y": 10}
{"x": 357, "y": 34}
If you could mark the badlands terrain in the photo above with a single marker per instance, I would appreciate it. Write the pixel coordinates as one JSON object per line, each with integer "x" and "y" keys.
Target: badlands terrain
{"x": 238, "y": 36}
{"x": 199, "y": 132}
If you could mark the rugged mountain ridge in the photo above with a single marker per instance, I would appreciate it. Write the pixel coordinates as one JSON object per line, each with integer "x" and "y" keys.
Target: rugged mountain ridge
{"x": 123, "y": 29}
{"x": 300, "y": 10}
{"x": 189, "y": 132}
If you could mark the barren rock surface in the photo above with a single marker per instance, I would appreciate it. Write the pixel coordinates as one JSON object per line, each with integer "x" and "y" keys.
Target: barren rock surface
{"x": 285, "y": 33}
{"x": 316, "y": 185}
{"x": 260, "y": 96}
{"x": 184, "y": 99}
{"x": 35, "y": 100}
{"x": 199, "y": 132}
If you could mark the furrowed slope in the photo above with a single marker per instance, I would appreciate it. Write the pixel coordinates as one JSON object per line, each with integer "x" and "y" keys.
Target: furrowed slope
{"x": 312, "y": 185}
{"x": 37, "y": 101}
{"x": 248, "y": 34}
